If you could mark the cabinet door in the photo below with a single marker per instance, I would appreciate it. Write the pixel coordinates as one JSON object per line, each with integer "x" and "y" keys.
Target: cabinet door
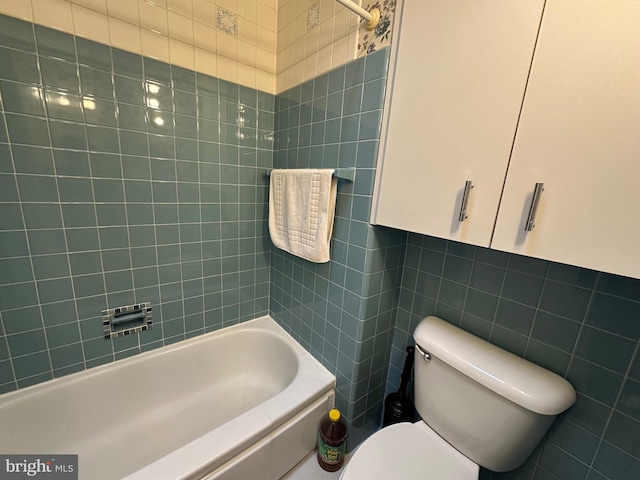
{"x": 579, "y": 134}
{"x": 459, "y": 74}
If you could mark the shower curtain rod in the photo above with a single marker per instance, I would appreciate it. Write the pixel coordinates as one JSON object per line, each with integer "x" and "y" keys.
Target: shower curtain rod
{"x": 372, "y": 17}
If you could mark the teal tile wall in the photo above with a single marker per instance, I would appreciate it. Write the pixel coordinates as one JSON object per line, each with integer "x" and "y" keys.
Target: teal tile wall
{"x": 581, "y": 324}
{"x": 122, "y": 180}
{"x": 342, "y": 311}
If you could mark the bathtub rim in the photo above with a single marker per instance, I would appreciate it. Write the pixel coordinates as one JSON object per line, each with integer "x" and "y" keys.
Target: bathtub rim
{"x": 206, "y": 453}
{"x": 265, "y": 322}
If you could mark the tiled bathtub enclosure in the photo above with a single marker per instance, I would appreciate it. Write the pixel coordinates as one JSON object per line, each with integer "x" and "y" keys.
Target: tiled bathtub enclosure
{"x": 122, "y": 180}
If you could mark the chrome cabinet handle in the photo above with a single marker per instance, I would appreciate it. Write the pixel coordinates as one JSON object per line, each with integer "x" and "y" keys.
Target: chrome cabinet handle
{"x": 465, "y": 199}
{"x": 535, "y": 199}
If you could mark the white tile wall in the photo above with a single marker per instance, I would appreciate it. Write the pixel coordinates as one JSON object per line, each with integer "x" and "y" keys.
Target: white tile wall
{"x": 181, "y": 32}
{"x": 304, "y": 53}
{"x": 273, "y": 49}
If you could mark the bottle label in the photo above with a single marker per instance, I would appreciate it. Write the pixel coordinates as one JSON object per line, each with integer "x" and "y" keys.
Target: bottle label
{"x": 331, "y": 455}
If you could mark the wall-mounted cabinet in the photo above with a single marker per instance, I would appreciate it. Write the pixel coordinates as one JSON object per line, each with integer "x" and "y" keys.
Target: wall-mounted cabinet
{"x": 455, "y": 114}
{"x": 454, "y": 98}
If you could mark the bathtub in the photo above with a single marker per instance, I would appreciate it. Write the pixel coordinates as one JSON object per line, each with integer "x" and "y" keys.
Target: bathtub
{"x": 242, "y": 402}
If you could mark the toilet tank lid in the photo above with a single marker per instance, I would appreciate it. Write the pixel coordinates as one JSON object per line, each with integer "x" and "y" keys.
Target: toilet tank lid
{"x": 514, "y": 378}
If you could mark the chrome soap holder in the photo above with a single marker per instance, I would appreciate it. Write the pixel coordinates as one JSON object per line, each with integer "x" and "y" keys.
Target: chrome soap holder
{"x": 120, "y": 321}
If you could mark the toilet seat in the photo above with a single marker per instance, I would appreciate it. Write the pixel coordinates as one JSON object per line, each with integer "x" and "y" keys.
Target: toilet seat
{"x": 408, "y": 451}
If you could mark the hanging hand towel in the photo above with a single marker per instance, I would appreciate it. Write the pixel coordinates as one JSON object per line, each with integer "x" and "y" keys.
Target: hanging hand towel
{"x": 302, "y": 205}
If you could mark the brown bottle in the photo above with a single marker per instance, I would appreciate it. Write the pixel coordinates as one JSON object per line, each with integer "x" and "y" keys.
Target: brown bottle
{"x": 332, "y": 440}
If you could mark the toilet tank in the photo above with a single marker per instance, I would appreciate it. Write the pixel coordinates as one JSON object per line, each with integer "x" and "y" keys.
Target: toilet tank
{"x": 491, "y": 405}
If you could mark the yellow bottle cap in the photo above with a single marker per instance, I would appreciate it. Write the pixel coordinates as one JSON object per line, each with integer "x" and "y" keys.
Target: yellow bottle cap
{"x": 334, "y": 415}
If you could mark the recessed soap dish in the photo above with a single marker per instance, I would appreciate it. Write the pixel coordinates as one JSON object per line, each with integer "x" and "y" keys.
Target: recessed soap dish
{"x": 120, "y": 321}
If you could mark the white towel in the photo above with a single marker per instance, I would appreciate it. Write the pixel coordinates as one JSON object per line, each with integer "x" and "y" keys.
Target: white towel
{"x": 302, "y": 205}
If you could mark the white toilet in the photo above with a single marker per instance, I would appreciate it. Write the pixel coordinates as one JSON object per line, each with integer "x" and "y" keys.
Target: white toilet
{"x": 480, "y": 406}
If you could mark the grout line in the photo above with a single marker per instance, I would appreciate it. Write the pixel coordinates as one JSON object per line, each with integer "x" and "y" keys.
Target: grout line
{"x": 105, "y": 296}
{"x": 68, "y": 255}
{"x": 33, "y": 274}
{"x": 538, "y": 310}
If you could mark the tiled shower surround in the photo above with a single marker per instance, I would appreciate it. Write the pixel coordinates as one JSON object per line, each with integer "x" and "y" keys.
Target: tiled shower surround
{"x": 103, "y": 205}
{"x": 122, "y": 180}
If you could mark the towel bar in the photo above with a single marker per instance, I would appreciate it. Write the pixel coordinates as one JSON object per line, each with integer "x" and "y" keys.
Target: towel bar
{"x": 348, "y": 174}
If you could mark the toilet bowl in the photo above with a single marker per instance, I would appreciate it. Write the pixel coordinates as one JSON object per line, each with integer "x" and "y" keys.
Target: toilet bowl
{"x": 479, "y": 406}
{"x": 408, "y": 450}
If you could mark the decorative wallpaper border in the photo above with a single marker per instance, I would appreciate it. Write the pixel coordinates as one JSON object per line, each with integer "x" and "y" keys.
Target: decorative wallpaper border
{"x": 369, "y": 42}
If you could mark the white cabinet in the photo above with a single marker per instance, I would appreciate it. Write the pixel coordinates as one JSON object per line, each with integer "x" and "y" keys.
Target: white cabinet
{"x": 578, "y": 132}
{"x": 452, "y": 108}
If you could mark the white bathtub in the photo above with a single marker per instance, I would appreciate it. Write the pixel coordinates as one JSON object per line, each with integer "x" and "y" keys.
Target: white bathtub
{"x": 240, "y": 403}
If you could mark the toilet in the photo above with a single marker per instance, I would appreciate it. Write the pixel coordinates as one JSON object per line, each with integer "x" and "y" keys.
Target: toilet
{"x": 479, "y": 406}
